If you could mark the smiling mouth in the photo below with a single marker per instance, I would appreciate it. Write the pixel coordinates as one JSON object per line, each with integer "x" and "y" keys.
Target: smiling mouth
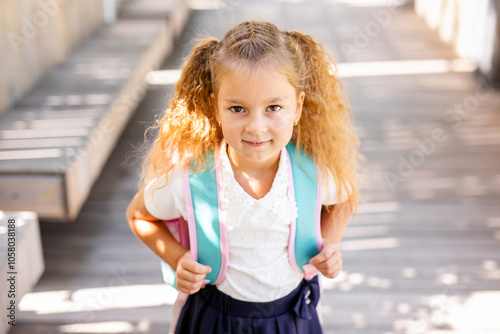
{"x": 256, "y": 144}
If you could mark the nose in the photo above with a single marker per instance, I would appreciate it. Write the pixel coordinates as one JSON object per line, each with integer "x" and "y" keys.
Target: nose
{"x": 256, "y": 123}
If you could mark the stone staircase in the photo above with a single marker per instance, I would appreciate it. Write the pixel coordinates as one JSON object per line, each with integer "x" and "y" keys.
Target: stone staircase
{"x": 56, "y": 140}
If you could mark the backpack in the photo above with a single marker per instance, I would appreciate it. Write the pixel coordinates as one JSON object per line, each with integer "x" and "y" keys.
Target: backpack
{"x": 206, "y": 236}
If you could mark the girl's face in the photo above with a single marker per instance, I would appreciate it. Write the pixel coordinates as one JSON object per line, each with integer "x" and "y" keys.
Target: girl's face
{"x": 257, "y": 111}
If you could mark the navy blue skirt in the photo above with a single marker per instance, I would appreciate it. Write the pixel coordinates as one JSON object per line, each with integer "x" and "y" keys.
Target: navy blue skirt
{"x": 211, "y": 311}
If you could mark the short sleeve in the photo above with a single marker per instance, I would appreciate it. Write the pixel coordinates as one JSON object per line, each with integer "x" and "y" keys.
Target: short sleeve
{"x": 329, "y": 191}
{"x": 164, "y": 200}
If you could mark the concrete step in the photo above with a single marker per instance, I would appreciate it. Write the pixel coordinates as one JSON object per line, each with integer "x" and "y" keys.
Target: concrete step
{"x": 21, "y": 261}
{"x": 54, "y": 143}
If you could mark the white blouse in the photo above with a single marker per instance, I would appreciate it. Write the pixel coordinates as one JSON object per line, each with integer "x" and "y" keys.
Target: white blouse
{"x": 258, "y": 230}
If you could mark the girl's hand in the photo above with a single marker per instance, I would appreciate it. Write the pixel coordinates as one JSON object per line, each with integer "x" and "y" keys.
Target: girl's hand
{"x": 190, "y": 274}
{"x": 329, "y": 260}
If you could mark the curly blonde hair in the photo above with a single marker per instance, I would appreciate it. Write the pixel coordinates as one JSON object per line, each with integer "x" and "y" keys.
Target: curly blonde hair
{"x": 188, "y": 127}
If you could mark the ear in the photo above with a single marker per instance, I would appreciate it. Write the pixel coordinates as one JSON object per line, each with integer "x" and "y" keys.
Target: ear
{"x": 300, "y": 103}
{"x": 215, "y": 107}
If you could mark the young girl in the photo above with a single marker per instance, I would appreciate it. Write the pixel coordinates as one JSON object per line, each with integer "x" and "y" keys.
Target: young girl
{"x": 251, "y": 109}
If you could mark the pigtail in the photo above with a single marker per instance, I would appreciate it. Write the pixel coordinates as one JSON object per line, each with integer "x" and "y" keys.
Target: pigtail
{"x": 192, "y": 101}
{"x": 324, "y": 127}
{"x": 188, "y": 128}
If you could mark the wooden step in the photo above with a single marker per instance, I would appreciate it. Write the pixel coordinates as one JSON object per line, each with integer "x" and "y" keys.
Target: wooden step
{"x": 174, "y": 11}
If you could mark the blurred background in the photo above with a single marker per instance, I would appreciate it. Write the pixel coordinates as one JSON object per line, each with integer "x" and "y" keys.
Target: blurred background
{"x": 81, "y": 80}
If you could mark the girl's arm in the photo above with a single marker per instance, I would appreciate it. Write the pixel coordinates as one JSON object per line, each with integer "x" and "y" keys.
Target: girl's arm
{"x": 333, "y": 223}
{"x": 334, "y": 219}
{"x": 155, "y": 234}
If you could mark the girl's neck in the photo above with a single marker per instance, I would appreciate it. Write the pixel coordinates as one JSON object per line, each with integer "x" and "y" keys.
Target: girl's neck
{"x": 255, "y": 179}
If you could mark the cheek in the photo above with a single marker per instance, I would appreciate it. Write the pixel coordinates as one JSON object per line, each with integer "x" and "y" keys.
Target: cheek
{"x": 231, "y": 128}
{"x": 283, "y": 122}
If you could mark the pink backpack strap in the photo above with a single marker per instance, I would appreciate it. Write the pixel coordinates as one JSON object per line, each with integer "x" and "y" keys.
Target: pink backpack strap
{"x": 222, "y": 219}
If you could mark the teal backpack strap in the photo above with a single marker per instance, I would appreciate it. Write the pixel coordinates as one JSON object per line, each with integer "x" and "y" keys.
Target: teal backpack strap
{"x": 206, "y": 231}
{"x": 305, "y": 232}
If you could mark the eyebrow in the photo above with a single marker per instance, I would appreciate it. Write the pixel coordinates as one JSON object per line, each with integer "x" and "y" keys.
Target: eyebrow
{"x": 273, "y": 99}
{"x": 277, "y": 99}
{"x": 232, "y": 100}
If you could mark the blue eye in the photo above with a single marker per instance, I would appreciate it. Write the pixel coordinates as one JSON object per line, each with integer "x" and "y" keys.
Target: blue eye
{"x": 236, "y": 109}
{"x": 274, "y": 108}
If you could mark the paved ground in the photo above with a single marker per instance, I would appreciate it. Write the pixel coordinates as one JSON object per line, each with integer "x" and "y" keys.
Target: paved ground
{"x": 422, "y": 256}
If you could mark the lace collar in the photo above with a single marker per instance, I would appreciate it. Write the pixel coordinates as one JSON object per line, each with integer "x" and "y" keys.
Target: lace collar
{"x": 236, "y": 202}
